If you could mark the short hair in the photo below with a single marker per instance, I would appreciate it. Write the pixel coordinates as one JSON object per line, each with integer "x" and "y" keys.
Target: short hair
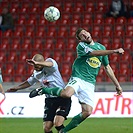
{"x": 77, "y": 33}
{"x": 38, "y": 57}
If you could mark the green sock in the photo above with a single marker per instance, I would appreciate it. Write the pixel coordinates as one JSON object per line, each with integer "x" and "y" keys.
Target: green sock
{"x": 76, "y": 120}
{"x": 52, "y": 91}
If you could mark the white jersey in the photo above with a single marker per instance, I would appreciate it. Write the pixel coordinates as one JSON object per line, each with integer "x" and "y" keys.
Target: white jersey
{"x": 1, "y": 80}
{"x": 49, "y": 77}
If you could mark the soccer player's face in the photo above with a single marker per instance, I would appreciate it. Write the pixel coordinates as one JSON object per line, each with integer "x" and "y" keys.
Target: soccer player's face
{"x": 38, "y": 67}
{"x": 85, "y": 36}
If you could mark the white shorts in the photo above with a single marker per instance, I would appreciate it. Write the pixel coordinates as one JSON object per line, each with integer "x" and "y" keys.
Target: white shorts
{"x": 84, "y": 91}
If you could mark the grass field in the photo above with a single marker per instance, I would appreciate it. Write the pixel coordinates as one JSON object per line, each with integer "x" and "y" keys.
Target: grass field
{"x": 90, "y": 125}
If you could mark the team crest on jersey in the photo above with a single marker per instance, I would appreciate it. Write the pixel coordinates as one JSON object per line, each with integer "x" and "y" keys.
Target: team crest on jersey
{"x": 93, "y": 62}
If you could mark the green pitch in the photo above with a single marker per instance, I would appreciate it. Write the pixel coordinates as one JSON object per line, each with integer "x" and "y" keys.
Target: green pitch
{"x": 90, "y": 125}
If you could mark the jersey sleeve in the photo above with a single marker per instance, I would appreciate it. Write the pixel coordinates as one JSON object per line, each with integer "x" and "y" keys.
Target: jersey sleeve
{"x": 105, "y": 60}
{"x": 32, "y": 80}
{"x": 55, "y": 65}
{"x": 83, "y": 50}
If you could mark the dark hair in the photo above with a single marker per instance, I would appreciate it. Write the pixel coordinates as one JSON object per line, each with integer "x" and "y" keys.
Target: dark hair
{"x": 77, "y": 33}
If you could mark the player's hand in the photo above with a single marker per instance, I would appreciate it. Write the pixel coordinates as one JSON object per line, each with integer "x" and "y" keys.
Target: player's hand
{"x": 118, "y": 90}
{"x": 12, "y": 90}
{"x": 119, "y": 51}
{"x": 30, "y": 61}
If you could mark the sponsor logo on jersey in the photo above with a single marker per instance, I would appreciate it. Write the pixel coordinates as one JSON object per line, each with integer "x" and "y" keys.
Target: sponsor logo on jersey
{"x": 94, "y": 62}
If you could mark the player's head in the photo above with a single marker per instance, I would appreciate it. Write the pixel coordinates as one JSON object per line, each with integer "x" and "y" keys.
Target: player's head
{"x": 38, "y": 58}
{"x": 83, "y": 35}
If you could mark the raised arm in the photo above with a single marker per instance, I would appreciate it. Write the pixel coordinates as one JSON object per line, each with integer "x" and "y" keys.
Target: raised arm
{"x": 106, "y": 52}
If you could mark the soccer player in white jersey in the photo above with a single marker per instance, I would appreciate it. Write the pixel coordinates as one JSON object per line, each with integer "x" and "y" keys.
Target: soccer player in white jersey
{"x": 47, "y": 73}
{"x": 1, "y": 87}
{"x": 90, "y": 56}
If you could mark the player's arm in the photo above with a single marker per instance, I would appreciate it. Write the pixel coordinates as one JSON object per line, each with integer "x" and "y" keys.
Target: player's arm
{"x": 23, "y": 85}
{"x": 111, "y": 75}
{"x": 2, "y": 90}
{"x": 42, "y": 63}
{"x": 106, "y": 52}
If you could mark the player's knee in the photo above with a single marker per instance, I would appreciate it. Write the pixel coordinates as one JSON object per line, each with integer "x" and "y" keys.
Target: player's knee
{"x": 67, "y": 93}
{"x": 46, "y": 129}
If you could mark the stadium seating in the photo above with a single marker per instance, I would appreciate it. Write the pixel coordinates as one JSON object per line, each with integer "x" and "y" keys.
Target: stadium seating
{"x": 34, "y": 34}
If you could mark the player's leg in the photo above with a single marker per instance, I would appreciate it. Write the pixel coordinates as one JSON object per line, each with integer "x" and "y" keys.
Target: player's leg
{"x": 47, "y": 126}
{"x": 59, "y": 122}
{"x": 64, "y": 106}
{"x": 86, "y": 98}
{"x": 76, "y": 120}
{"x": 49, "y": 113}
{"x": 56, "y": 91}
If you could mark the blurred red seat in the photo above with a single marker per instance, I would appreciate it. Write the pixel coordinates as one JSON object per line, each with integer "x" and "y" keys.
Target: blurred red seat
{"x": 20, "y": 70}
{"x": 9, "y": 69}
{"x": 22, "y": 57}
{"x": 29, "y": 34}
{"x": 65, "y": 18}
{"x": 58, "y": 57}
{"x": 106, "y": 42}
{"x": 25, "y": 9}
{"x": 72, "y": 30}
{"x": 129, "y": 27}
{"x": 66, "y": 69}
{"x": 126, "y": 57}
{"x": 19, "y": 78}
{"x": 119, "y": 33}
{"x": 107, "y": 33}
{"x": 21, "y": 21}
{"x": 18, "y": 33}
{"x": 76, "y": 19}
{"x": 116, "y": 40}
{"x": 3, "y": 56}
{"x": 114, "y": 58}
{"x": 98, "y": 21}
{"x": 7, "y": 78}
{"x": 68, "y": 57}
{"x": 40, "y": 33}
{"x": 109, "y": 20}
{"x": 89, "y": 6}
{"x": 96, "y": 33}
{"x": 122, "y": 78}
{"x": 47, "y": 54}
{"x": 101, "y": 7}
{"x": 130, "y": 20}
{"x": 121, "y": 20}
{"x": 116, "y": 45}
{"x": 12, "y": 57}
{"x": 78, "y": 7}
{"x": 107, "y": 27}
{"x": 118, "y": 27}
{"x": 31, "y": 22}
{"x": 7, "y": 33}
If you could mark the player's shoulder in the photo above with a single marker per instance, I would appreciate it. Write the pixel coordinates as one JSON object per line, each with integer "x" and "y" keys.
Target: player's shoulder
{"x": 101, "y": 46}
{"x": 50, "y": 59}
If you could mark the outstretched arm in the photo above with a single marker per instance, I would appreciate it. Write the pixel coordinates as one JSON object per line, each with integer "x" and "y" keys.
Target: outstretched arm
{"x": 23, "y": 85}
{"x": 43, "y": 63}
{"x": 106, "y": 52}
{"x": 111, "y": 75}
{"x": 2, "y": 90}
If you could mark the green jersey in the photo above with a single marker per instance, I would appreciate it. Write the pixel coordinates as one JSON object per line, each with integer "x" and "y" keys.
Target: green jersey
{"x": 85, "y": 66}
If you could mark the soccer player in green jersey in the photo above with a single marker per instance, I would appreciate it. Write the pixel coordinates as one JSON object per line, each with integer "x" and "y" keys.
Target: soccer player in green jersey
{"x": 90, "y": 56}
